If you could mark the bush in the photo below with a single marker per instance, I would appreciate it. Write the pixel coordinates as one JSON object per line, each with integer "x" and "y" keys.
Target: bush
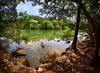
{"x": 50, "y": 26}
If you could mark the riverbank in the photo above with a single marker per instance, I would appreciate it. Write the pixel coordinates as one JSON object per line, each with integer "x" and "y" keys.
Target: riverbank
{"x": 68, "y": 62}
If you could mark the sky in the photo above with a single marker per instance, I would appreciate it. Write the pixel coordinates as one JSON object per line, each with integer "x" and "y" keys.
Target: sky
{"x": 27, "y": 6}
{"x": 31, "y": 10}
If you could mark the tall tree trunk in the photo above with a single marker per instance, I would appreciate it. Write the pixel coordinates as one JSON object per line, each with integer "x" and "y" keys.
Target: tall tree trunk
{"x": 77, "y": 26}
{"x": 90, "y": 19}
{"x": 93, "y": 28}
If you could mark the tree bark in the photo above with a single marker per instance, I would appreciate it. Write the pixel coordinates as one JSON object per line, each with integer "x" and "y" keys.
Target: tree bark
{"x": 93, "y": 28}
{"x": 90, "y": 19}
{"x": 77, "y": 26}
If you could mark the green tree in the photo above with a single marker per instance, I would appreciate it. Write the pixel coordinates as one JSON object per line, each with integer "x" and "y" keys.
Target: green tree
{"x": 56, "y": 8}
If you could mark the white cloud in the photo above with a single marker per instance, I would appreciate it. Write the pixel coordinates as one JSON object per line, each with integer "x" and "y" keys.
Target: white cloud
{"x": 22, "y": 7}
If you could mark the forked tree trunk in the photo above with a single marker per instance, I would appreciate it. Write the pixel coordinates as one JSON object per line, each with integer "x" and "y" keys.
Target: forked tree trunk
{"x": 93, "y": 28}
{"x": 77, "y": 26}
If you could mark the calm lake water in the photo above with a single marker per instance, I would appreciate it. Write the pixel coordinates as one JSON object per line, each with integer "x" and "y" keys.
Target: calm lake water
{"x": 36, "y": 49}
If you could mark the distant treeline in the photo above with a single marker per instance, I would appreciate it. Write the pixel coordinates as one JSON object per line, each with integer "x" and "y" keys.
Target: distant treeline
{"x": 38, "y": 23}
{"x": 13, "y": 28}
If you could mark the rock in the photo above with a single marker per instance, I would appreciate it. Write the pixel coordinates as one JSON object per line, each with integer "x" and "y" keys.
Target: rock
{"x": 21, "y": 51}
{"x": 18, "y": 53}
{"x": 5, "y": 61}
{"x": 4, "y": 44}
{"x": 44, "y": 68}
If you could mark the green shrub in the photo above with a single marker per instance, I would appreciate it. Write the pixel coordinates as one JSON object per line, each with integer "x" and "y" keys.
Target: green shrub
{"x": 50, "y": 26}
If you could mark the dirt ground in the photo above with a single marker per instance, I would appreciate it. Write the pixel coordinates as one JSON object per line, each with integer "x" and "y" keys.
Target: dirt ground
{"x": 70, "y": 61}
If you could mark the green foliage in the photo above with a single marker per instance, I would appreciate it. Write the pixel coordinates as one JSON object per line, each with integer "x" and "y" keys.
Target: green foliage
{"x": 67, "y": 34}
{"x": 56, "y": 9}
{"x": 34, "y": 22}
{"x": 12, "y": 32}
{"x": 13, "y": 29}
{"x": 34, "y": 28}
{"x": 84, "y": 27}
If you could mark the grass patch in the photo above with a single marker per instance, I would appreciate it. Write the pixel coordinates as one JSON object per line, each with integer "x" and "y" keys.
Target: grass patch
{"x": 40, "y": 34}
